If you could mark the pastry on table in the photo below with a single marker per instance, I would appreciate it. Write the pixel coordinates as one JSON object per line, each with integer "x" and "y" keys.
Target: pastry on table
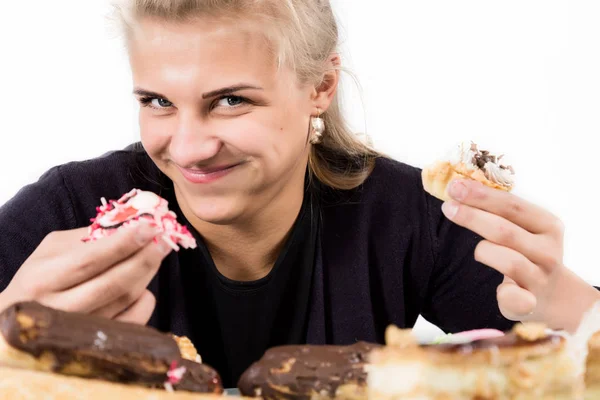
{"x": 468, "y": 163}
{"x": 529, "y": 362}
{"x": 586, "y": 348}
{"x": 309, "y": 372}
{"x": 525, "y": 364}
{"x": 23, "y": 384}
{"x": 592, "y": 373}
{"x": 187, "y": 349}
{"x": 468, "y": 336}
{"x": 47, "y": 351}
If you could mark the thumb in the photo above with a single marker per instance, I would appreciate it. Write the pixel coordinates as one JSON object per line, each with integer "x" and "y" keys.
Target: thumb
{"x": 515, "y": 303}
{"x": 140, "y": 311}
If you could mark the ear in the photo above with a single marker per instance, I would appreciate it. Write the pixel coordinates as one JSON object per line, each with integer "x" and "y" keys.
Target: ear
{"x": 324, "y": 92}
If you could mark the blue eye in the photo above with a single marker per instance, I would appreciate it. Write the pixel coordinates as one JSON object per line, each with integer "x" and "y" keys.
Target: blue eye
{"x": 161, "y": 103}
{"x": 230, "y": 101}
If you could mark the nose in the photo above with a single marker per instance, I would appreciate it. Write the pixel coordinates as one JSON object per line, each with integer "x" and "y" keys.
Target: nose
{"x": 191, "y": 142}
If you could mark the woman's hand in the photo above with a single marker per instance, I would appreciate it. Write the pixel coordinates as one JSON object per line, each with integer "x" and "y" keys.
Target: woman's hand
{"x": 107, "y": 277}
{"x": 525, "y": 243}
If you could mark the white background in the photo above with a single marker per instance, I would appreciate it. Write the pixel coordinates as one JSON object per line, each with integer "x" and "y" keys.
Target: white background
{"x": 520, "y": 77}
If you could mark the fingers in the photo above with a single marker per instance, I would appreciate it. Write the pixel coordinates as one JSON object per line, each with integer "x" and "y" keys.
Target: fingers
{"x": 57, "y": 242}
{"x": 515, "y": 303}
{"x": 111, "y": 310}
{"x": 540, "y": 249}
{"x": 510, "y": 263}
{"x": 129, "y": 276}
{"x": 141, "y": 311}
{"x": 87, "y": 260}
{"x": 522, "y": 213}
{"x": 490, "y": 226}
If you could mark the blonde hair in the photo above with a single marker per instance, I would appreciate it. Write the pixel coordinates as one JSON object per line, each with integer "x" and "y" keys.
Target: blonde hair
{"x": 304, "y": 35}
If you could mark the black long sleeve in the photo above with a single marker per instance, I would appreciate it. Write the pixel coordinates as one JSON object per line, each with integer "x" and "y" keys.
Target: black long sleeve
{"x": 462, "y": 291}
{"x": 36, "y": 210}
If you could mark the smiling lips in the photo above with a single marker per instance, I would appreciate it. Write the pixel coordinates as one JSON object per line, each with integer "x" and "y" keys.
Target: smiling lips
{"x": 206, "y": 175}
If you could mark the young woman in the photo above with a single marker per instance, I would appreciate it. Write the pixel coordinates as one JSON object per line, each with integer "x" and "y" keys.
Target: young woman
{"x": 305, "y": 233}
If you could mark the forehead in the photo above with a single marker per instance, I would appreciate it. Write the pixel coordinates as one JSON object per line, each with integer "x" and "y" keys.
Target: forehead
{"x": 206, "y": 52}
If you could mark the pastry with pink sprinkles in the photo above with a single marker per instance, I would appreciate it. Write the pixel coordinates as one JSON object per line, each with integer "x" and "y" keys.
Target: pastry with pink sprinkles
{"x": 133, "y": 207}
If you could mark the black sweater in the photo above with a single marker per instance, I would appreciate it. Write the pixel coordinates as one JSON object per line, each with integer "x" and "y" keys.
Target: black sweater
{"x": 385, "y": 252}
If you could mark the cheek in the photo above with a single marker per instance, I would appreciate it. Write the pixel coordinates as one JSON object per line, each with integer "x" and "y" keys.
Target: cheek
{"x": 153, "y": 132}
{"x": 276, "y": 139}
{"x": 289, "y": 136}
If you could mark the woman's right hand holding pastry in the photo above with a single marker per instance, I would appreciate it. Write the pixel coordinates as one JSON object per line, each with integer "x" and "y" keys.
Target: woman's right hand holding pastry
{"x": 107, "y": 277}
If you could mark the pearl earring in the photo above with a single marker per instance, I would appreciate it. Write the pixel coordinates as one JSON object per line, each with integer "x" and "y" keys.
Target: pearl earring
{"x": 318, "y": 127}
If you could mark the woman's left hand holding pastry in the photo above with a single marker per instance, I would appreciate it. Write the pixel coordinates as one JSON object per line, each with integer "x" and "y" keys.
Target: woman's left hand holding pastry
{"x": 524, "y": 243}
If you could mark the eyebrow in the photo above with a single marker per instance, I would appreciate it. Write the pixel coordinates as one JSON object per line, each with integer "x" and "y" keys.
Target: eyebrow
{"x": 148, "y": 93}
{"x": 214, "y": 93}
{"x": 229, "y": 90}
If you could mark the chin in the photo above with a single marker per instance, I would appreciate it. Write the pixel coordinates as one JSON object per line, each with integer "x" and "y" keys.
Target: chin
{"x": 217, "y": 210}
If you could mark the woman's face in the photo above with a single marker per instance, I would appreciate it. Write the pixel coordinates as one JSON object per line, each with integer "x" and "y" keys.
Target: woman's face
{"x": 219, "y": 118}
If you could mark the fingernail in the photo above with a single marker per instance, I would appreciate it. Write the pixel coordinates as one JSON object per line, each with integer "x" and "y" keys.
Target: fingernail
{"x": 450, "y": 209}
{"x": 145, "y": 233}
{"x": 458, "y": 190}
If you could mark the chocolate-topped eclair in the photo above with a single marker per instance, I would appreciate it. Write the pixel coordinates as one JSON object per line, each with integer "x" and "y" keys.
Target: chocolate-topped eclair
{"x": 37, "y": 337}
{"x": 308, "y": 372}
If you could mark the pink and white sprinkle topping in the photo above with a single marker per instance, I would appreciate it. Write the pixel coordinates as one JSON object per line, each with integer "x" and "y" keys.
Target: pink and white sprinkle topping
{"x": 479, "y": 334}
{"x": 136, "y": 206}
{"x": 468, "y": 336}
{"x": 175, "y": 374}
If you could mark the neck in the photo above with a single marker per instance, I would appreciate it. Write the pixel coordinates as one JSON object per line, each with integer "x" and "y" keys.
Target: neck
{"x": 247, "y": 250}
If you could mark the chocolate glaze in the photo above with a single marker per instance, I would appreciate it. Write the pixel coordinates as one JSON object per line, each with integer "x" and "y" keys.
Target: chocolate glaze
{"x": 511, "y": 339}
{"x": 101, "y": 348}
{"x": 482, "y": 157}
{"x": 199, "y": 378}
{"x": 297, "y": 372}
{"x": 120, "y": 224}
